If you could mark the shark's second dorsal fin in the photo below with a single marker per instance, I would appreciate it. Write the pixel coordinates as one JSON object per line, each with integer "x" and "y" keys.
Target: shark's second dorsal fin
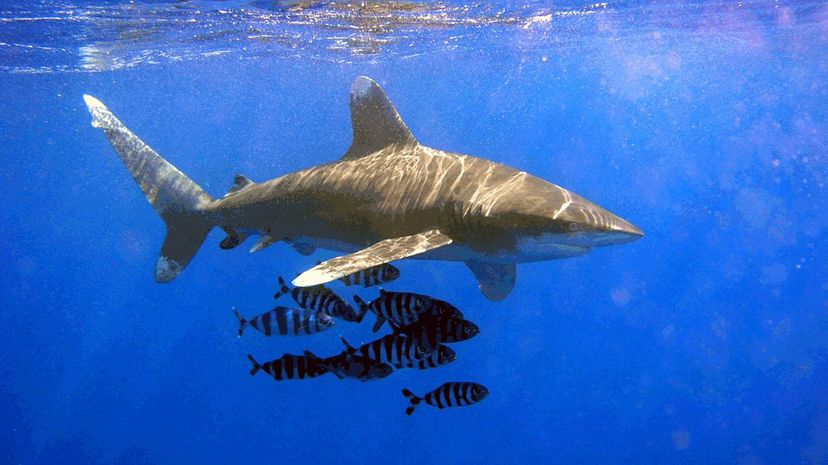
{"x": 375, "y": 120}
{"x": 240, "y": 181}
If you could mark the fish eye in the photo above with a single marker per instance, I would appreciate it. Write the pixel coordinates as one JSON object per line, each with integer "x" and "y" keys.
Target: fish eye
{"x": 476, "y": 391}
{"x": 573, "y": 227}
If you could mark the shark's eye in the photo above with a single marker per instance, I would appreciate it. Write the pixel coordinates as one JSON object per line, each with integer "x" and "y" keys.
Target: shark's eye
{"x": 573, "y": 227}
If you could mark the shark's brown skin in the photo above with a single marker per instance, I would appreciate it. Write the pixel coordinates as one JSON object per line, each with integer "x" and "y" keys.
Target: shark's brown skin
{"x": 388, "y": 198}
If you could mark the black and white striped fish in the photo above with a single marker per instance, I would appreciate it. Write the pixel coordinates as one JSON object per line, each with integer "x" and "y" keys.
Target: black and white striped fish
{"x": 319, "y": 298}
{"x": 393, "y": 349}
{"x": 373, "y": 276}
{"x": 451, "y": 394}
{"x": 287, "y": 322}
{"x": 290, "y": 366}
{"x": 442, "y": 356}
{"x": 431, "y": 331}
{"x": 442, "y": 309}
{"x": 348, "y": 365}
{"x": 402, "y": 308}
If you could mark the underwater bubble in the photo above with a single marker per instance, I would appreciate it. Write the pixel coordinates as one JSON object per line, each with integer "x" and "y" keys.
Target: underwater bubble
{"x": 681, "y": 439}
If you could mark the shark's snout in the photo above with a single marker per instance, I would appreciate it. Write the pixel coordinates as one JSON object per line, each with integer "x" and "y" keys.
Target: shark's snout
{"x": 591, "y": 225}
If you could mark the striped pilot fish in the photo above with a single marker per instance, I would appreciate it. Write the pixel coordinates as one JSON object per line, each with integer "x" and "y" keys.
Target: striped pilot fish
{"x": 442, "y": 309}
{"x": 442, "y": 356}
{"x": 451, "y": 394}
{"x": 431, "y": 331}
{"x": 348, "y": 365}
{"x": 287, "y": 322}
{"x": 393, "y": 349}
{"x": 402, "y": 308}
{"x": 290, "y": 366}
{"x": 319, "y": 298}
{"x": 380, "y": 274}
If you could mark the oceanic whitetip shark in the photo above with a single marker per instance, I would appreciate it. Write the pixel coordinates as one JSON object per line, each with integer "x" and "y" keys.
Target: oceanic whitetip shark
{"x": 388, "y": 198}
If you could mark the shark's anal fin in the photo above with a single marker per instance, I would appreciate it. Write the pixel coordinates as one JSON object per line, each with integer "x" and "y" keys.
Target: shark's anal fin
{"x": 233, "y": 239}
{"x": 377, "y": 254}
{"x": 375, "y": 121}
{"x": 496, "y": 280}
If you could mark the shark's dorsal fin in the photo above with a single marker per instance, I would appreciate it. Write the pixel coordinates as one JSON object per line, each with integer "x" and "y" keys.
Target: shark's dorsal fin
{"x": 375, "y": 120}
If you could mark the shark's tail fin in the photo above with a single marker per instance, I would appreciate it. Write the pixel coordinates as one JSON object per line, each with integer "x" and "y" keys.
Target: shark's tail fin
{"x": 180, "y": 202}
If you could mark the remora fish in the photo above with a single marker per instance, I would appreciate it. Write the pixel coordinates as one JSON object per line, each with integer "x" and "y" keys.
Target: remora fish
{"x": 402, "y": 308}
{"x": 290, "y": 366}
{"x": 388, "y": 198}
{"x": 451, "y": 394}
{"x": 319, "y": 298}
{"x": 442, "y": 356}
{"x": 286, "y": 322}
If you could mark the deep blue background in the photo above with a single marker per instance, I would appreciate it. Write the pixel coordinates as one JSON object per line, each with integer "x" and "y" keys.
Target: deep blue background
{"x": 705, "y": 342}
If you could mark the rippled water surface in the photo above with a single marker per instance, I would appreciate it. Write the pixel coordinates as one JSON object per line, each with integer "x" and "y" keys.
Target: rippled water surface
{"x": 704, "y": 123}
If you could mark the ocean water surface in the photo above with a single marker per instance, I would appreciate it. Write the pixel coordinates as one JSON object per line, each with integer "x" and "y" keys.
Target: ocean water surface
{"x": 704, "y": 123}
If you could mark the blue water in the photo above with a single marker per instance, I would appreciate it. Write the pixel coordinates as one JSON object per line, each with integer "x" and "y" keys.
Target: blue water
{"x": 705, "y": 124}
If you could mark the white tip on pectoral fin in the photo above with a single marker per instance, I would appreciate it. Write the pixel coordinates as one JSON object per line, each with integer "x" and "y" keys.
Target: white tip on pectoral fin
{"x": 382, "y": 252}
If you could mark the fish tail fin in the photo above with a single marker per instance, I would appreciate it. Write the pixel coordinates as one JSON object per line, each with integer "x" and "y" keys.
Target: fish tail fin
{"x": 413, "y": 399}
{"x": 256, "y": 365}
{"x": 348, "y": 346}
{"x": 283, "y": 288}
{"x": 242, "y": 322}
{"x": 363, "y": 308}
{"x": 378, "y": 324}
{"x": 181, "y": 203}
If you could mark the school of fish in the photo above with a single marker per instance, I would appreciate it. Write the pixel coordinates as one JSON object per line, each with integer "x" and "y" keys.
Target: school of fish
{"x": 421, "y": 327}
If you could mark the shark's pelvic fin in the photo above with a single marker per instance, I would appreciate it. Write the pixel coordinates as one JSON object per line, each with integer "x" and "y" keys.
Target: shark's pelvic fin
{"x": 496, "y": 280}
{"x": 377, "y": 254}
{"x": 180, "y": 201}
{"x": 375, "y": 121}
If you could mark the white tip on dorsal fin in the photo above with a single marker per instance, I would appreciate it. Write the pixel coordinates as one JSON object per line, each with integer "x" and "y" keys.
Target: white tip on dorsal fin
{"x": 375, "y": 120}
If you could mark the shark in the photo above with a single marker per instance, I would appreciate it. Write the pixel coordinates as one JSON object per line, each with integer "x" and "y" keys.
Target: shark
{"x": 388, "y": 198}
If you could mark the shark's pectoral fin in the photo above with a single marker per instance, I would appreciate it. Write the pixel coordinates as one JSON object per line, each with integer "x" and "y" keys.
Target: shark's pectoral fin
{"x": 377, "y": 254}
{"x": 496, "y": 281}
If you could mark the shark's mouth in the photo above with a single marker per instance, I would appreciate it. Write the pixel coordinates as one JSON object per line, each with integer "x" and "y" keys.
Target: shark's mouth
{"x": 548, "y": 246}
